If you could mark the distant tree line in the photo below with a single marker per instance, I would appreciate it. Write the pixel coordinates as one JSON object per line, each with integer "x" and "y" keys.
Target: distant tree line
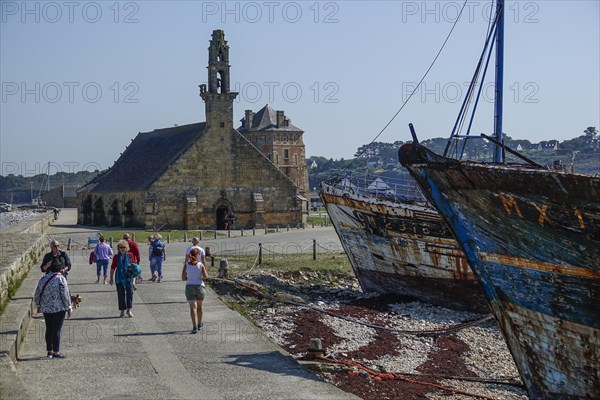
{"x": 586, "y": 147}
{"x": 19, "y": 189}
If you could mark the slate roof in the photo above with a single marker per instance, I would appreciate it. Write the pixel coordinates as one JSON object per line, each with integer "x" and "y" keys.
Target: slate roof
{"x": 266, "y": 120}
{"x": 145, "y": 159}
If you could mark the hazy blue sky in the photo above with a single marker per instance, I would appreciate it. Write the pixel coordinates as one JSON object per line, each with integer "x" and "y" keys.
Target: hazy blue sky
{"x": 81, "y": 79}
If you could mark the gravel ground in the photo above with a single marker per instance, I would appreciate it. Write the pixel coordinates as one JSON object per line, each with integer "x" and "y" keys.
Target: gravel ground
{"x": 10, "y": 218}
{"x": 474, "y": 359}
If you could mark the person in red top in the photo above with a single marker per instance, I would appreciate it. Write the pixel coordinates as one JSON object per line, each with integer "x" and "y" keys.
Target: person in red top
{"x": 135, "y": 250}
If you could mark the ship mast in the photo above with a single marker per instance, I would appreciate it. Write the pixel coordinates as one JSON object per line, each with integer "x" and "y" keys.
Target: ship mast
{"x": 499, "y": 81}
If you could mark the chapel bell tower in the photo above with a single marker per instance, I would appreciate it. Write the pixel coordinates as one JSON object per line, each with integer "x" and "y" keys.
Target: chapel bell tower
{"x": 217, "y": 97}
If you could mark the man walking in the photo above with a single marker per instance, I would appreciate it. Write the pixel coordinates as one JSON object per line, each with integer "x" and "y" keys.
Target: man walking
{"x": 159, "y": 254}
{"x": 135, "y": 250}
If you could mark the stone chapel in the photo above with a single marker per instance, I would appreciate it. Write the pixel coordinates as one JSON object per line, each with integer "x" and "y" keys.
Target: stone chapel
{"x": 193, "y": 176}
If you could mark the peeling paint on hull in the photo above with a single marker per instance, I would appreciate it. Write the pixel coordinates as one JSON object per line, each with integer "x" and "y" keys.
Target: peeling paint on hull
{"x": 532, "y": 237}
{"x": 402, "y": 248}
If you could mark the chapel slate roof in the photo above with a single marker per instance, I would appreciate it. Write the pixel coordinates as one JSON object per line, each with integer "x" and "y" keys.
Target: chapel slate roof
{"x": 146, "y": 158}
{"x": 265, "y": 119}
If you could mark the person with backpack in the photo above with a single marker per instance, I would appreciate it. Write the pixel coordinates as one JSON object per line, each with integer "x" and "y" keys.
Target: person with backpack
{"x": 121, "y": 275}
{"x": 159, "y": 254}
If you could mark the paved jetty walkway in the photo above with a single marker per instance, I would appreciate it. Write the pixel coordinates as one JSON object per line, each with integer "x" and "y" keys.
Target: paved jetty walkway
{"x": 152, "y": 355}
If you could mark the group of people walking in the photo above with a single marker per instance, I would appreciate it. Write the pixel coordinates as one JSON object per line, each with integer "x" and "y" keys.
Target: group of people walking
{"x": 53, "y": 299}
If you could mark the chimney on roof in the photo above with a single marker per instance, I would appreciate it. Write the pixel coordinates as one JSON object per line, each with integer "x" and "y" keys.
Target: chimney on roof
{"x": 248, "y": 119}
{"x": 280, "y": 119}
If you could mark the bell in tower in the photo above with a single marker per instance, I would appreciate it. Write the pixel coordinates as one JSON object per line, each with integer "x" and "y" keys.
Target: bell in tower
{"x": 218, "y": 63}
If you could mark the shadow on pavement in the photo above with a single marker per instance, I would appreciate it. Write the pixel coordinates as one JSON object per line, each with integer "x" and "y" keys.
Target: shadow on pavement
{"x": 151, "y": 333}
{"x": 271, "y": 362}
{"x": 93, "y": 318}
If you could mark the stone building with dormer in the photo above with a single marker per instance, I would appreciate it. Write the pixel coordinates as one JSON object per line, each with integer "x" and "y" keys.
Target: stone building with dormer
{"x": 192, "y": 176}
{"x": 273, "y": 133}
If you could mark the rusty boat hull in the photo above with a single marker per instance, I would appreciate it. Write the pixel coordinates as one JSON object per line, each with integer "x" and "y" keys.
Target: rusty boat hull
{"x": 532, "y": 237}
{"x": 402, "y": 247}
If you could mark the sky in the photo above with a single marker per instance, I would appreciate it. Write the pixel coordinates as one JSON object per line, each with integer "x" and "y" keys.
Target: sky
{"x": 79, "y": 80}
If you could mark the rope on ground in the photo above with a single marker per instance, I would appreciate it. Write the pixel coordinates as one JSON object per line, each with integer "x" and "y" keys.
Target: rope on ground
{"x": 510, "y": 381}
{"x": 419, "y": 332}
{"x": 381, "y": 376}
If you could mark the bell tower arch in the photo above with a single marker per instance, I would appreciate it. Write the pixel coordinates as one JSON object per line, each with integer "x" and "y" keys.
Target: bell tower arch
{"x": 217, "y": 96}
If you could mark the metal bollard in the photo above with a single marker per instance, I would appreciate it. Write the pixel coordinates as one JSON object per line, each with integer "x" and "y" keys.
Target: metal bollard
{"x": 241, "y": 232}
{"x": 168, "y": 238}
{"x": 228, "y": 233}
{"x": 314, "y": 249}
{"x": 200, "y": 235}
{"x": 253, "y": 231}
{"x": 185, "y": 237}
{"x": 215, "y": 233}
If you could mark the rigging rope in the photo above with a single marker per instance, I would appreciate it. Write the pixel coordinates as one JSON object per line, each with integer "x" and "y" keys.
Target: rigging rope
{"x": 415, "y": 89}
{"x": 487, "y": 48}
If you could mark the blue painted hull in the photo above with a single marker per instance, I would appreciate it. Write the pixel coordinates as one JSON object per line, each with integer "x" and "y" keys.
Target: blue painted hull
{"x": 532, "y": 237}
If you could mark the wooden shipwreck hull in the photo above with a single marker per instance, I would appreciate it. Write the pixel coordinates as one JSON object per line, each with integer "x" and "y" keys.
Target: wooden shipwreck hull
{"x": 401, "y": 246}
{"x": 532, "y": 237}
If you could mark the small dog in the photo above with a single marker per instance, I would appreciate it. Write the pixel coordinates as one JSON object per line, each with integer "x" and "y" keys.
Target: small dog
{"x": 76, "y": 300}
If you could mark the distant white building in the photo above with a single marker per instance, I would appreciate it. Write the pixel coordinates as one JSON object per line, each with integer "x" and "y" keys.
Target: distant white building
{"x": 379, "y": 186}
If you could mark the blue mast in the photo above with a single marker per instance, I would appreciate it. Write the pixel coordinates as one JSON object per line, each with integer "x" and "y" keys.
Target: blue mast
{"x": 499, "y": 79}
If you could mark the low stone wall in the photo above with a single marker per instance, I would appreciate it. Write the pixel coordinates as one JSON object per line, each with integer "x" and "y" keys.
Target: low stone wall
{"x": 18, "y": 253}
{"x": 34, "y": 225}
{"x": 20, "y": 248}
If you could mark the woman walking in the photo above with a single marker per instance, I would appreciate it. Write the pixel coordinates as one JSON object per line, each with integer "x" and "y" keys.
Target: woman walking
{"x": 56, "y": 258}
{"x": 102, "y": 254}
{"x": 124, "y": 281}
{"x": 194, "y": 273}
{"x": 52, "y": 298}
